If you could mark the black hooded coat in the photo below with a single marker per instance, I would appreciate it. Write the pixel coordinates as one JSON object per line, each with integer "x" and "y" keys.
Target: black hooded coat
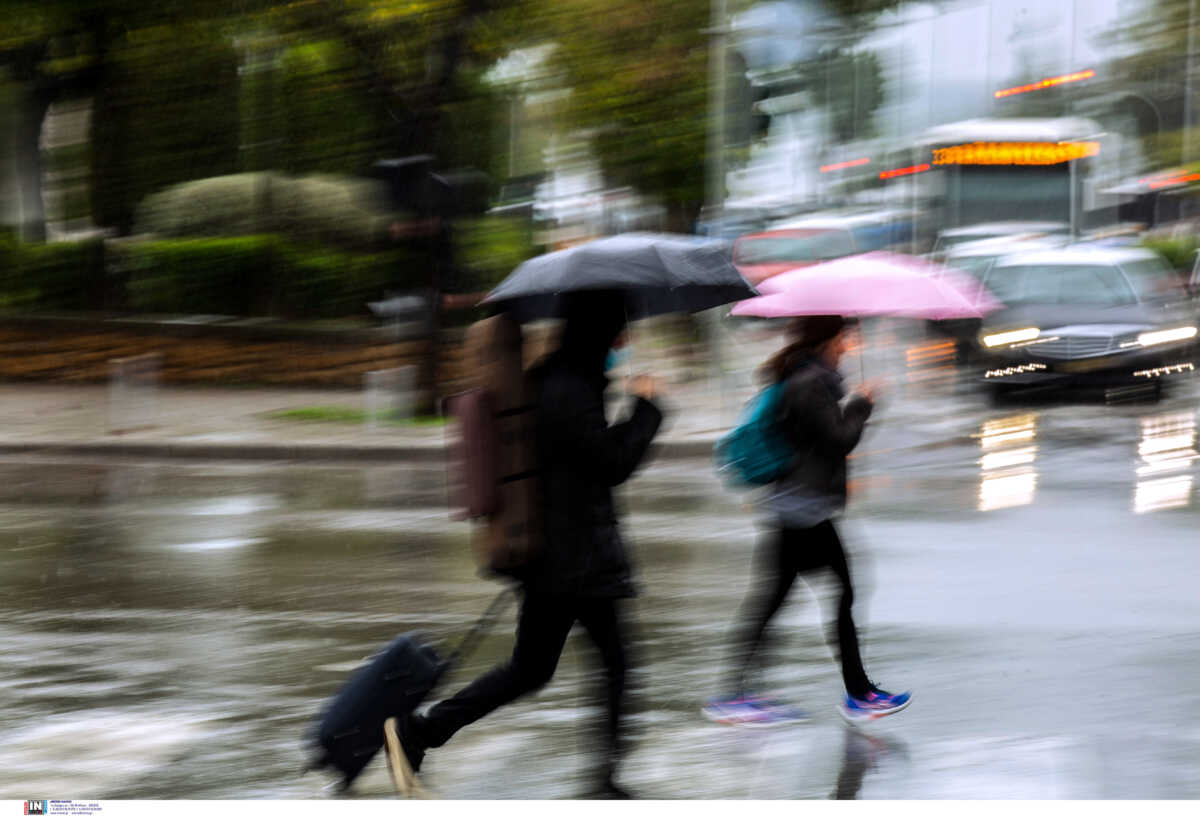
{"x": 581, "y": 458}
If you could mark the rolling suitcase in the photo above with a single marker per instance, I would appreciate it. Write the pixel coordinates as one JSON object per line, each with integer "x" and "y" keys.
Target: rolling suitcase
{"x": 350, "y": 730}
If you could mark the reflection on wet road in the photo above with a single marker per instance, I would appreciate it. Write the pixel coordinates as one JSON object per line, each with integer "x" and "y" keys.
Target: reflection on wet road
{"x": 1008, "y": 462}
{"x": 1166, "y": 451}
{"x": 169, "y": 631}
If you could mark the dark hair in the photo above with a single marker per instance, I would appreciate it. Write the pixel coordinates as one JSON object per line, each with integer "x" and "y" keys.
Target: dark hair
{"x": 808, "y": 334}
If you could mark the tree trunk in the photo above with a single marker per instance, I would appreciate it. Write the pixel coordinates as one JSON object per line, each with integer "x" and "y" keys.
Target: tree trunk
{"x": 31, "y": 114}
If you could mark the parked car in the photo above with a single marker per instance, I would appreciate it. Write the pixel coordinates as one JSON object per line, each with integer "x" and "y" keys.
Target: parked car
{"x": 948, "y": 239}
{"x": 813, "y": 239}
{"x": 976, "y": 257}
{"x": 1112, "y": 316}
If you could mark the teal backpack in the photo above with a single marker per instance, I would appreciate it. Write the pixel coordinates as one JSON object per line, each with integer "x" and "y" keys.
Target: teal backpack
{"x": 755, "y": 453}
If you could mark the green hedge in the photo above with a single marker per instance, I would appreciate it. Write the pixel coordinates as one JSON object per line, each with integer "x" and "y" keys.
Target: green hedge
{"x": 257, "y": 275}
{"x": 1178, "y": 252}
{"x": 52, "y": 277}
{"x": 341, "y": 211}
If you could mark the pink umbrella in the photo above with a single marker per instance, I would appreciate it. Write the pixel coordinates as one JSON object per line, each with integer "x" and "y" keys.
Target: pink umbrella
{"x": 874, "y": 284}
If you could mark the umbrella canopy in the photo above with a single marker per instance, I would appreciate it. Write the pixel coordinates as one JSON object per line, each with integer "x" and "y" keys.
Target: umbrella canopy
{"x": 658, "y": 273}
{"x": 873, "y": 284}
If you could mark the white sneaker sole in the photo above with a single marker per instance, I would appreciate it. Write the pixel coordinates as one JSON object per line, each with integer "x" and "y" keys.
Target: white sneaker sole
{"x": 870, "y": 716}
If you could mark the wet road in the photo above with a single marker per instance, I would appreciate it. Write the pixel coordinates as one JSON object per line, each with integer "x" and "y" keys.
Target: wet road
{"x": 1029, "y": 571}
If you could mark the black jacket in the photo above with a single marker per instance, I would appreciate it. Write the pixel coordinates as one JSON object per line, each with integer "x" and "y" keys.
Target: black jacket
{"x": 821, "y": 430}
{"x": 581, "y": 458}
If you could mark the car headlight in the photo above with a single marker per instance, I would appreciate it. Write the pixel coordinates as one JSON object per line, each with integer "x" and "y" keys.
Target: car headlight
{"x": 1160, "y": 336}
{"x": 1006, "y": 338}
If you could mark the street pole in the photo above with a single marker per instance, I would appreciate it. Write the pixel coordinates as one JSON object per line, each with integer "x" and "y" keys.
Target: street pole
{"x": 716, "y": 102}
{"x": 1187, "y": 83}
{"x": 719, "y": 31}
{"x": 1187, "y": 93}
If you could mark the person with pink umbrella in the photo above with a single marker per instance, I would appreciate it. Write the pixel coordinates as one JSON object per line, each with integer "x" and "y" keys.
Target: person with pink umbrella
{"x": 803, "y": 503}
{"x": 819, "y": 431}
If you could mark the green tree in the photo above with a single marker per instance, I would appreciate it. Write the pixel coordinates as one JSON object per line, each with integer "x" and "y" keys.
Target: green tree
{"x": 1149, "y": 78}
{"x": 52, "y": 51}
{"x": 849, "y": 84}
{"x": 637, "y": 71}
{"x": 167, "y": 112}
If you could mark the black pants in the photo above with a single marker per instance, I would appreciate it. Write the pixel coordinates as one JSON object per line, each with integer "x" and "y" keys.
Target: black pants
{"x": 781, "y": 557}
{"x": 542, "y": 630}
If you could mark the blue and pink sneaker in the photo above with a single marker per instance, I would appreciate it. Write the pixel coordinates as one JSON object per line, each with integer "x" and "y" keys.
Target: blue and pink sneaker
{"x": 874, "y": 705}
{"x": 752, "y": 711}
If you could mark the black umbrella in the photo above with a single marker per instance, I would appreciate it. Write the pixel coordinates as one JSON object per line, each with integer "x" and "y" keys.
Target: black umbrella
{"x": 659, "y": 273}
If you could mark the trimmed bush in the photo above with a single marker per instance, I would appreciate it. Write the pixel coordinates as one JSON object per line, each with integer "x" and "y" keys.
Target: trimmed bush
{"x": 52, "y": 277}
{"x": 258, "y": 275}
{"x": 1180, "y": 253}
{"x": 339, "y": 210}
{"x": 204, "y": 276}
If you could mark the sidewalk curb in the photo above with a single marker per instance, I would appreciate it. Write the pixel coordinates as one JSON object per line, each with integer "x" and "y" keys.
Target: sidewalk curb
{"x": 240, "y": 451}
{"x": 268, "y": 451}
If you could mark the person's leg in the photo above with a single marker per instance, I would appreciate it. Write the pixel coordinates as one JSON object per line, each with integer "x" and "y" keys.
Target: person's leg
{"x": 541, "y": 632}
{"x": 823, "y": 549}
{"x": 602, "y": 620}
{"x": 775, "y": 571}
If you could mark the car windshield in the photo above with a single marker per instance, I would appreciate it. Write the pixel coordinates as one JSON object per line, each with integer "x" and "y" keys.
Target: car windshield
{"x": 818, "y": 245}
{"x": 1078, "y": 284}
{"x": 948, "y": 241}
{"x": 1154, "y": 280}
{"x": 974, "y": 265}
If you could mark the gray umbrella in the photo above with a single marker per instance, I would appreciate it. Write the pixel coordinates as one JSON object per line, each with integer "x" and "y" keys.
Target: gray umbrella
{"x": 659, "y": 273}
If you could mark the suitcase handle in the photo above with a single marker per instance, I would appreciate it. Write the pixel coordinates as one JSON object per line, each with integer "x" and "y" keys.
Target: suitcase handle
{"x": 481, "y": 626}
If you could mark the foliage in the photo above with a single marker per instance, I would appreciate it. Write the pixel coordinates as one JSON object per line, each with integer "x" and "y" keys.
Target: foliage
{"x": 166, "y": 113}
{"x": 490, "y": 247}
{"x": 337, "y": 413}
{"x": 1151, "y": 73}
{"x": 638, "y": 73}
{"x": 326, "y": 120}
{"x": 338, "y": 210}
{"x": 255, "y": 275}
{"x": 850, "y": 85}
{"x": 52, "y": 277}
{"x": 1180, "y": 253}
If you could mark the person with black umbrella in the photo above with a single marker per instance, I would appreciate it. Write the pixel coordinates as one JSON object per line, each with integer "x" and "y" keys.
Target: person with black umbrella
{"x": 583, "y": 571}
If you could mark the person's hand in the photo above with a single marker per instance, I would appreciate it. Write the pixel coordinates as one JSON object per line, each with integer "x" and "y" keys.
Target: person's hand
{"x": 645, "y": 386}
{"x": 871, "y": 390}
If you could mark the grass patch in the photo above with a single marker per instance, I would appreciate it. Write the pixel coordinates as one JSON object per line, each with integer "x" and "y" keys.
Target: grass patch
{"x": 327, "y": 413}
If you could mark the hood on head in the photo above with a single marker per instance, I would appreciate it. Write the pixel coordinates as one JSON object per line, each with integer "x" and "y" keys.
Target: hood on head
{"x": 594, "y": 319}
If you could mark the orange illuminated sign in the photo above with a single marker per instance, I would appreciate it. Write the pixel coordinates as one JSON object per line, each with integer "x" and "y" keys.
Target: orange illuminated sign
{"x": 1046, "y": 83}
{"x": 1015, "y": 152}
{"x": 1169, "y": 179}
{"x": 827, "y": 168}
{"x": 904, "y": 171}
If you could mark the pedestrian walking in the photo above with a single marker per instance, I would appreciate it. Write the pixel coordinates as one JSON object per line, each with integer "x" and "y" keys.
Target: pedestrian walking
{"x": 804, "y": 541}
{"x": 582, "y": 573}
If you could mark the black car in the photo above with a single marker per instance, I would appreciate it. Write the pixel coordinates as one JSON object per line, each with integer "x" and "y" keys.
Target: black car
{"x": 1106, "y": 316}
